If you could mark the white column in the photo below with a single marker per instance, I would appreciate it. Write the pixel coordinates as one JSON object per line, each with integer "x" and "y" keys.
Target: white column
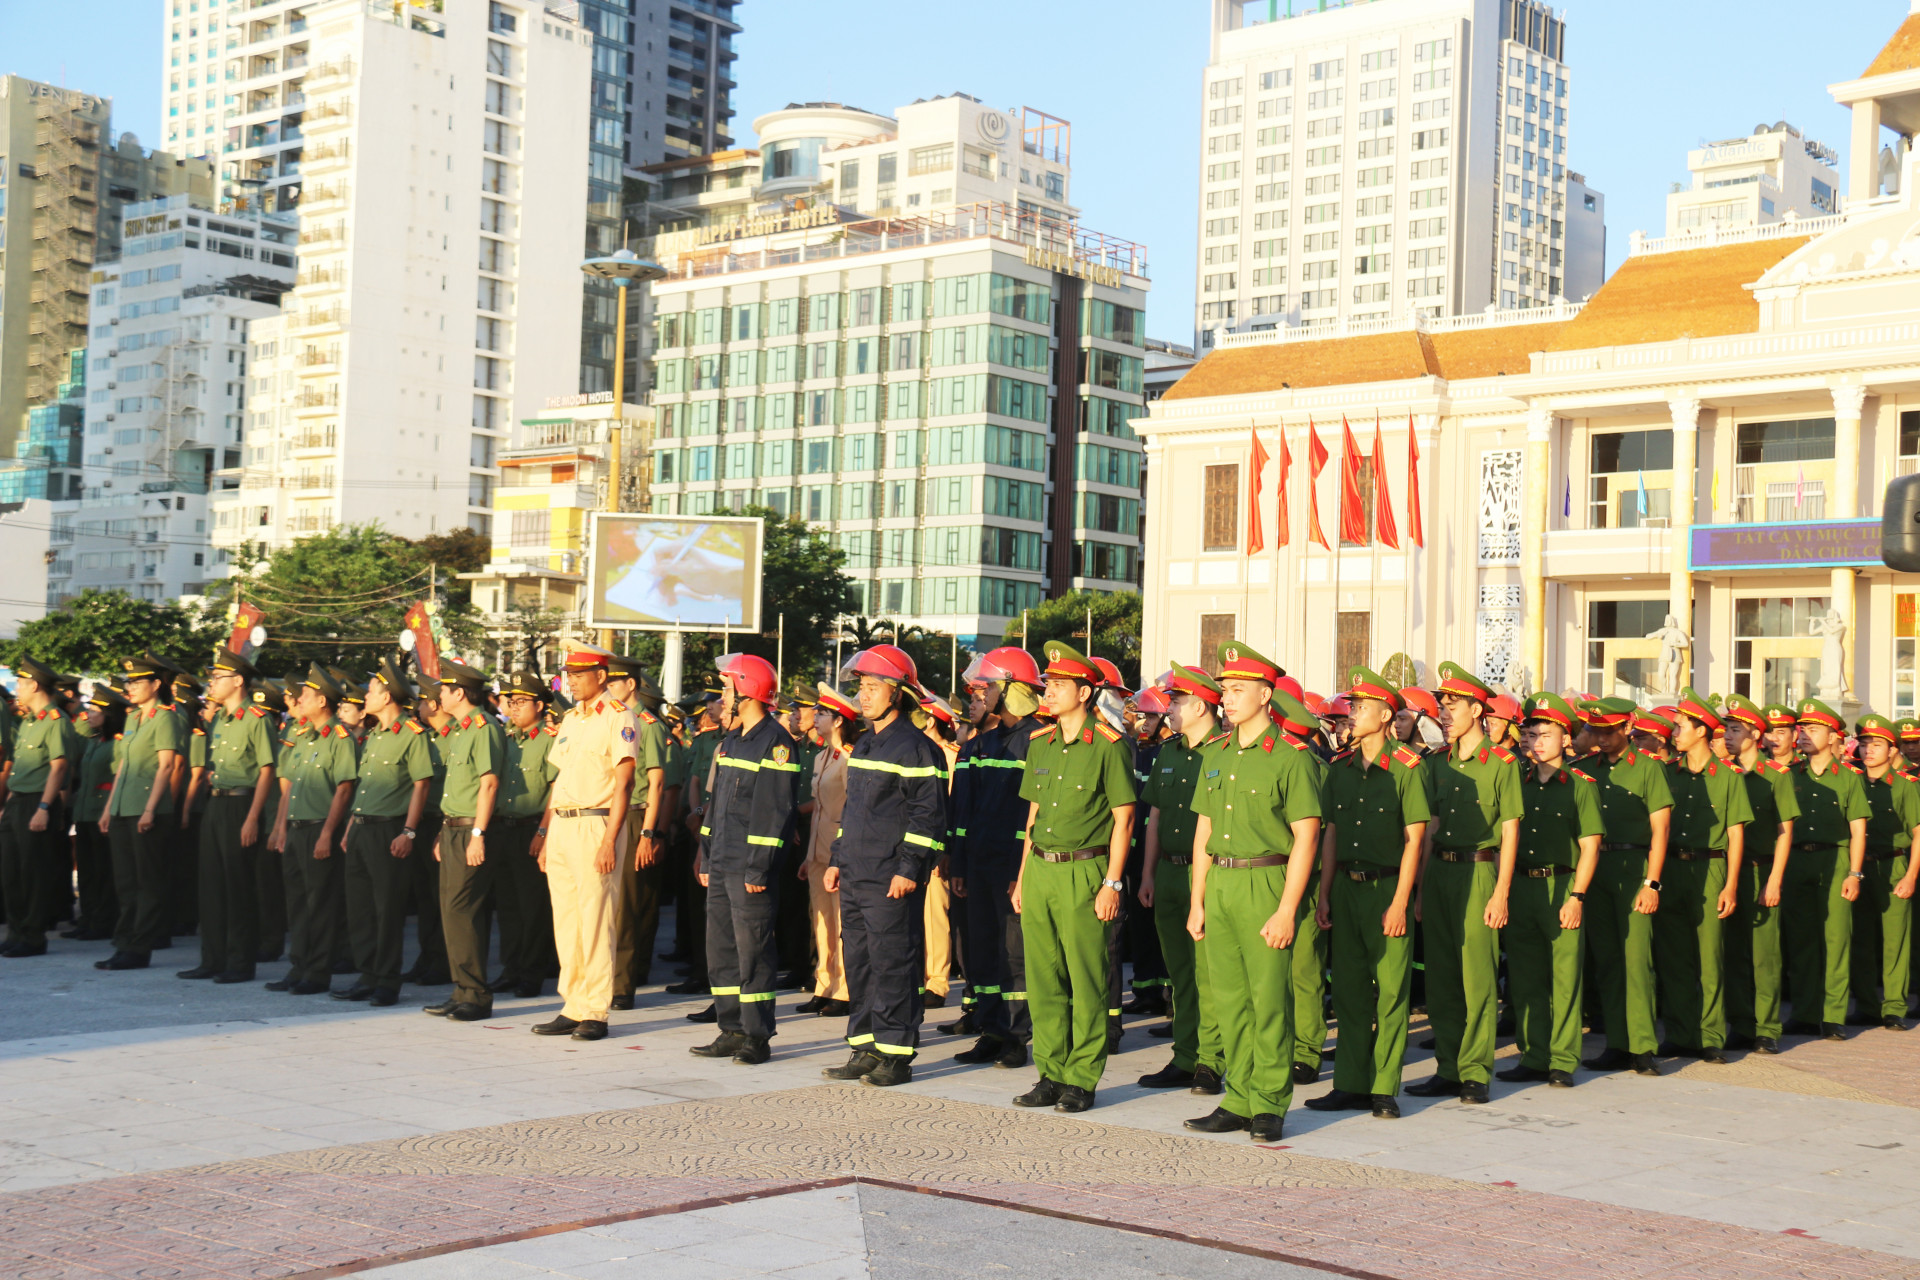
{"x": 1849, "y": 399}
{"x": 1533, "y": 536}
{"x": 1685, "y": 411}
{"x": 1864, "y": 154}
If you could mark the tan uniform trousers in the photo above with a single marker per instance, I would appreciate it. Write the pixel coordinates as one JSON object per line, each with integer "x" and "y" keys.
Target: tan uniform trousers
{"x": 823, "y": 909}
{"x": 584, "y": 906}
{"x": 939, "y": 934}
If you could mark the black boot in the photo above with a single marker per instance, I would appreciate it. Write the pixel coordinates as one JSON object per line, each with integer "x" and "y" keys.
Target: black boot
{"x": 854, "y": 1067}
{"x": 753, "y": 1051}
{"x": 893, "y": 1069}
{"x": 724, "y": 1046}
{"x": 985, "y": 1050}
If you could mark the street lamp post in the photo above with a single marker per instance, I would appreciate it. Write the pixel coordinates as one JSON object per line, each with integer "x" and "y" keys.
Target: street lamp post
{"x": 623, "y": 267}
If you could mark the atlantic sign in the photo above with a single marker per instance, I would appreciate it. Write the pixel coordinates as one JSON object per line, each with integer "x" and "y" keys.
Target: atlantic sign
{"x": 1832, "y": 544}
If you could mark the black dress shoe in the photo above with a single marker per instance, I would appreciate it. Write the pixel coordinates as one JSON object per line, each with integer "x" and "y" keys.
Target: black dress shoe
{"x": 503, "y": 983}
{"x": 621, "y": 1002}
{"x": 1170, "y": 1076}
{"x": 560, "y": 1026}
{"x": 834, "y": 1009}
{"x": 984, "y": 1050}
{"x": 198, "y": 972}
{"x": 709, "y": 1014}
{"x": 1434, "y": 1087}
{"x": 1610, "y": 1060}
{"x": 589, "y": 1029}
{"x": 466, "y": 1011}
{"x": 1713, "y": 1054}
{"x": 725, "y": 1045}
{"x": 1161, "y": 1031}
{"x": 1043, "y": 1094}
{"x": 1429, "y": 1043}
{"x": 528, "y": 990}
{"x": 122, "y": 960}
{"x": 856, "y": 1065}
{"x": 1560, "y": 1079}
{"x": 280, "y": 984}
{"x": 1644, "y": 1065}
{"x": 1765, "y": 1044}
{"x": 1013, "y": 1057}
{"x": 310, "y": 988}
{"x": 1305, "y": 1073}
{"x": 26, "y": 951}
{"x": 810, "y": 1005}
{"x": 1474, "y": 1091}
{"x": 893, "y": 1069}
{"x": 1828, "y": 1031}
{"x": 1267, "y": 1127}
{"x": 965, "y": 1025}
{"x": 1892, "y": 1023}
{"x": 358, "y": 991}
{"x": 440, "y": 1010}
{"x": 1799, "y": 1028}
{"x": 933, "y": 1000}
{"x": 1522, "y": 1074}
{"x": 1074, "y": 1099}
{"x": 1668, "y": 1049}
{"x": 1206, "y": 1081}
{"x": 1340, "y": 1100}
{"x": 753, "y": 1051}
{"x": 1386, "y": 1107}
{"x": 384, "y": 997}
{"x": 688, "y": 988}
{"x": 1737, "y": 1040}
{"x": 1219, "y": 1120}
{"x": 434, "y": 978}
{"x": 232, "y": 976}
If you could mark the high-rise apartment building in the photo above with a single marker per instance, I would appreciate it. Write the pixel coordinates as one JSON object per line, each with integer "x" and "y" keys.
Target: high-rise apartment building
{"x": 1752, "y": 181}
{"x": 1363, "y": 159}
{"x": 233, "y": 74}
{"x": 439, "y": 294}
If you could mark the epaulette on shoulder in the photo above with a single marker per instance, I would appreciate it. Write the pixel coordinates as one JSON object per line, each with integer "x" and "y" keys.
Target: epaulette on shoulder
{"x": 646, "y": 717}
{"x": 1583, "y": 775}
{"x": 198, "y": 732}
{"x": 616, "y": 704}
{"x": 260, "y": 712}
{"x": 416, "y": 726}
{"x": 1218, "y": 737}
{"x": 1854, "y": 768}
{"x": 1503, "y": 755}
{"x": 1296, "y": 743}
{"x": 1776, "y": 766}
{"x": 1733, "y": 765}
{"x": 1045, "y": 733}
{"x": 1109, "y": 734}
{"x": 1407, "y": 756}
{"x": 340, "y": 731}
{"x": 1346, "y": 754}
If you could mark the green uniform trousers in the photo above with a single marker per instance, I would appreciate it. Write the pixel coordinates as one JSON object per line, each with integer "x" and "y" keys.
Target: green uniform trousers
{"x": 1816, "y": 927}
{"x": 229, "y": 898}
{"x": 525, "y": 905}
{"x": 313, "y": 928}
{"x": 1752, "y": 958}
{"x": 140, "y": 884}
{"x": 1309, "y": 979}
{"x": 29, "y": 876}
{"x": 1196, "y": 1031}
{"x": 1620, "y": 940}
{"x": 1251, "y": 987}
{"x": 1066, "y": 969}
{"x": 1882, "y": 940}
{"x": 1686, "y": 951}
{"x": 636, "y": 923}
{"x": 1544, "y": 973}
{"x": 377, "y": 899}
{"x": 1372, "y": 987}
{"x": 466, "y": 912}
{"x": 1463, "y": 962}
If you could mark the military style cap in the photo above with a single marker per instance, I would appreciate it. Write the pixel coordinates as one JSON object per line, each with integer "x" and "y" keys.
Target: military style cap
{"x": 1876, "y": 726}
{"x": 1422, "y": 701}
{"x": 188, "y": 684}
{"x": 458, "y": 673}
{"x": 1552, "y": 708}
{"x": 106, "y": 696}
{"x": 1699, "y": 708}
{"x": 1653, "y": 722}
{"x": 1909, "y": 729}
{"x": 1814, "y": 711}
{"x": 1456, "y": 679}
{"x": 68, "y": 684}
{"x": 227, "y": 662}
{"x": 1065, "y": 660}
{"x": 1240, "y": 662}
{"x": 1191, "y": 680}
{"x": 1363, "y": 683}
{"x": 40, "y": 673}
{"x": 390, "y": 678}
{"x": 525, "y": 684}
{"x": 831, "y": 699}
{"x": 1292, "y": 714}
{"x": 148, "y": 667}
{"x": 271, "y": 694}
{"x": 623, "y": 668}
{"x": 646, "y": 691}
{"x": 1780, "y": 716}
{"x": 582, "y": 656}
{"x": 318, "y": 677}
{"x": 1746, "y": 711}
{"x": 351, "y": 690}
{"x": 1608, "y": 713}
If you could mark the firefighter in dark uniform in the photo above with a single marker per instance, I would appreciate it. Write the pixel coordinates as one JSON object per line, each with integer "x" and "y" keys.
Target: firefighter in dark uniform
{"x": 749, "y": 817}
{"x": 892, "y": 827}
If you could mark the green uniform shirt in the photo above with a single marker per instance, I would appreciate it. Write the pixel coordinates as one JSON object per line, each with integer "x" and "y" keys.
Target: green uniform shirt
{"x": 1705, "y": 804}
{"x": 1473, "y": 798}
{"x": 314, "y": 761}
{"x": 474, "y": 748}
{"x": 1077, "y": 786}
{"x": 804, "y": 751}
{"x": 1372, "y": 805}
{"x": 1829, "y": 802}
{"x": 1895, "y": 801}
{"x": 528, "y": 775}
{"x": 1253, "y": 795}
{"x": 1170, "y": 788}
{"x": 700, "y": 754}
{"x": 158, "y": 729}
{"x": 1560, "y": 811}
{"x": 391, "y": 761}
{"x": 38, "y": 741}
{"x": 679, "y": 761}
{"x": 239, "y": 747}
{"x": 1631, "y": 789}
{"x": 96, "y": 781}
{"x": 652, "y": 754}
{"x": 1770, "y": 796}
{"x": 434, "y": 737}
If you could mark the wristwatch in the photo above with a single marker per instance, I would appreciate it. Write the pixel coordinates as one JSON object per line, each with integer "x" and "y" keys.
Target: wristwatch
{"x": 479, "y": 833}
{"x": 1851, "y": 875}
{"x": 409, "y": 833}
{"x": 1576, "y": 895}
{"x": 1114, "y": 885}
{"x": 1650, "y": 884}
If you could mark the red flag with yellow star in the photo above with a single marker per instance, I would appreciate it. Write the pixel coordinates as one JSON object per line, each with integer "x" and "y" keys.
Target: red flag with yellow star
{"x": 425, "y": 655}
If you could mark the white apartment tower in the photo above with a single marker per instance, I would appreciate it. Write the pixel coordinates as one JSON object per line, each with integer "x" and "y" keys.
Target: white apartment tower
{"x": 233, "y": 74}
{"x": 1752, "y": 181}
{"x": 439, "y": 294}
{"x": 1362, "y": 159}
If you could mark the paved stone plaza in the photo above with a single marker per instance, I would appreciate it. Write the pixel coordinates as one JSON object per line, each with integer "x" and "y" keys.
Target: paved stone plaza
{"x": 155, "y": 1128}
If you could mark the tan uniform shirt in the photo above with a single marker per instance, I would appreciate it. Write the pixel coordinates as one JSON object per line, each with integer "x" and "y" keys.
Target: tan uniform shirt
{"x": 829, "y": 794}
{"x": 594, "y": 738}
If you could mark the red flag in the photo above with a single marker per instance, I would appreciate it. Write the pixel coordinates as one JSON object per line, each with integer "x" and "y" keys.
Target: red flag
{"x": 245, "y": 618}
{"x": 425, "y": 655}
{"x": 1316, "y": 462}
{"x": 1384, "y": 527}
{"x": 1353, "y": 514}
{"x": 1256, "y": 536}
{"x": 1415, "y": 530}
{"x": 1286, "y": 469}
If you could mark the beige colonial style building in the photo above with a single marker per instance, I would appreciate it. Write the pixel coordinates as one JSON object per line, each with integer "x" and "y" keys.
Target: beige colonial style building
{"x": 1678, "y": 482}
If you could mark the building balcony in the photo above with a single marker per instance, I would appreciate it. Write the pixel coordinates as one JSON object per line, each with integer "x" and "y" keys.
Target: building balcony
{"x": 1572, "y": 555}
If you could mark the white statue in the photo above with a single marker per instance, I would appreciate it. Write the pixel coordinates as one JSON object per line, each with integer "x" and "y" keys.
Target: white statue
{"x": 1674, "y": 644}
{"x": 1832, "y": 631}
{"x": 1519, "y": 680}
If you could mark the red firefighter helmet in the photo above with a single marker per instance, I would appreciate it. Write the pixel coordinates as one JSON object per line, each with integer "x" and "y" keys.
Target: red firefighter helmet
{"x": 1152, "y": 701}
{"x": 1110, "y": 676}
{"x": 1004, "y": 663}
{"x": 752, "y": 677}
{"x": 884, "y": 662}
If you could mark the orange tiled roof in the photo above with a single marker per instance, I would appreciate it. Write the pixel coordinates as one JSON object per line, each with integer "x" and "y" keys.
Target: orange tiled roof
{"x": 1694, "y": 293}
{"x": 1484, "y": 353}
{"x": 1902, "y": 53}
{"x": 1331, "y": 362}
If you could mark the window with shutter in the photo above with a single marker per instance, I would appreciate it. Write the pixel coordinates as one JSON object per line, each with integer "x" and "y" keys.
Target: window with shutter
{"x": 1222, "y": 517}
{"x": 1215, "y": 630}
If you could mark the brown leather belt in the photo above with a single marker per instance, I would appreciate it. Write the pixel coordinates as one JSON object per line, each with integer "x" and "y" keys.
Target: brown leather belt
{"x": 581, "y": 813}
{"x": 1545, "y": 873}
{"x": 456, "y": 822}
{"x": 1078, "y": 855}
{"x": 1698, "y": 855}
{"x": 305, "y": 822}
{"x": 1241, "y": 864}
{"x": 1883, "y": 855}
{"x": 1621, "y": 846}
{"x": 221, "y": 793}
{"x": 1363, "y": 877}
{"x": 1466, "y": 855}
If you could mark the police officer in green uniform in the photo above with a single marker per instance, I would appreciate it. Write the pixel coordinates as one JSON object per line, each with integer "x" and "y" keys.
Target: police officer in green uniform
{"x": 690, "y": 917}
{"x": 382, "y": 837}
{"x": 526, "y": 906}
{"x": 423, "y": 877}
{"x": 1883, "y": 913}
{"x": 1701, "y": 883}
{"x": 1166, "y": 879}
{"x": 1465, "y": 883}
{"x": 1752, "y": 933}
{"x": 1559, "y": 853}
{"x": 317, "y": 767}
{"x": 1823, "y": 877}
{"x": 1078, "y": 785}
{"x": 105, "y": 712}
{"x": 1377, "y": 802}
{"x": 1636, "y": 807}
{"x": 45, "y": 757}
{"x": 1260, "y": 801}
{"x": 637, "y": 917}
{"x": 1311, "y": 947}
{"x": 475, "y": 753}
{"x": 156, "y": 740}
{"x": 240, "y": 751}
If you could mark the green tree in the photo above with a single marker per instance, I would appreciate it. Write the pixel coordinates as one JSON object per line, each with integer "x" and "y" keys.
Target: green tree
{"x": 530, "y": 631}
{"x": 933, "y": 652}
{"x": 453, "y": 553}
{"x": 91, "y": 633}
{"x": 1116, "y": 627}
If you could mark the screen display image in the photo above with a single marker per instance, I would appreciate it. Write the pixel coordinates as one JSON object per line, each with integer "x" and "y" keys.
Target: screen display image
{"x": 663, "y": 572}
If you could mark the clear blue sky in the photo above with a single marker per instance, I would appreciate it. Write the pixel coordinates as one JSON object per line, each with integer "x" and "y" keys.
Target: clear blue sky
{"x": 1650, "y": 81}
